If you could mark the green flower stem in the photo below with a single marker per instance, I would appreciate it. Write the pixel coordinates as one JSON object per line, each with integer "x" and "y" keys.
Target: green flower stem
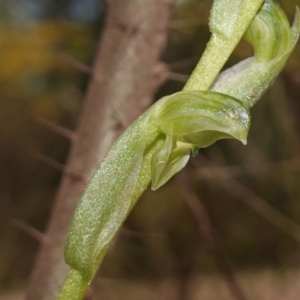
{"x": 228, "y": 23}
{"x": 109, "y": 197}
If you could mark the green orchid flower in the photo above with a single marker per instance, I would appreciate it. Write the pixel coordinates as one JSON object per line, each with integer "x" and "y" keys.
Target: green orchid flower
{"x": 193, "y": 120}
{"x": 159, "y": 143}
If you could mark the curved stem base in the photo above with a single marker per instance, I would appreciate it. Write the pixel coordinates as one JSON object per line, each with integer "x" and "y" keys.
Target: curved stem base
{"x": 74, "y": 287}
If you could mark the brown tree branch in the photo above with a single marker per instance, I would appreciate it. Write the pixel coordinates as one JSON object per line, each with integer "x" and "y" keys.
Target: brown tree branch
{"x": 133, "y": 38}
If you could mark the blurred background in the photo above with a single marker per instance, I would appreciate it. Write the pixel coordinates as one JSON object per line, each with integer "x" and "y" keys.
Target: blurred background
{"x": 252, "y": 193}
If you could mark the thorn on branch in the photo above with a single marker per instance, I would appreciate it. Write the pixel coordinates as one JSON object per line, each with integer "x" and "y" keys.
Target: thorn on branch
{"x": 58, "y": 166}
{"x": 184, "y": 63}
{"x": 76, "y": 176}
{"x": 178, "y": 77}
{"x": 47, "y": 160}
{"x": 119, "y": 125}
{"x": 56, "y": 128}
{"x": 129, "y": 29}
{"x": 29, "y": 230}
{"x": 161, "y": 73}
{"x": 78, "y": 65}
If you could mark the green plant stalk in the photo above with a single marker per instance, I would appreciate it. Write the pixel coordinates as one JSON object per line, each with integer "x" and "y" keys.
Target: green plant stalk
{"x": 228, "y": 23}
{"x": 107, "y": 201}
{"x": 158, "y": 144}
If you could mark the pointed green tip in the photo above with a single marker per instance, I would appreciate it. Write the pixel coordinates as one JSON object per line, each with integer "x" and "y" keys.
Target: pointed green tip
{"x": 195, "y": 150}
{"x": 155, "y": 186}
{"x": 244, "y": 141}
{"x": 243, "y": 138}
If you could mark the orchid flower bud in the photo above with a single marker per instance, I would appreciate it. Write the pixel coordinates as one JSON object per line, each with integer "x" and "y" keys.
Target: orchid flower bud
{"x": 273, "y": 42}
{"x": 269, "y": 33}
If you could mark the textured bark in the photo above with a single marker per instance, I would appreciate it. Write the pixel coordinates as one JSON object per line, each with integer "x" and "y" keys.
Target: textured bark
{"x": 120, "y": 89}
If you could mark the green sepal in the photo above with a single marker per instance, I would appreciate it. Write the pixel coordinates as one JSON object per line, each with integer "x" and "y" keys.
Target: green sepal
{"x": 160, "y": 160}
{"x": 162, "y": 171}
{"x": 190, "y": 121}
{"x": 167, "y": 162}
{"x": 195, "y": 149}
{"x": 201, "y": 117}
{"x": 110, "y": 195}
